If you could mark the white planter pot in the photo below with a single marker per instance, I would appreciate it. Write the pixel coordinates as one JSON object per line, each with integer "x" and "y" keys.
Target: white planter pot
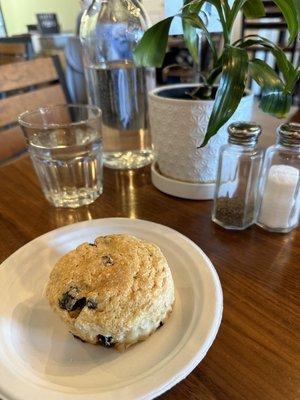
{"x": 178, "y": 127}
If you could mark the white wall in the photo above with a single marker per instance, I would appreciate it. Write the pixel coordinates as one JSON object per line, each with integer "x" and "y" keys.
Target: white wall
{"x": 158, "y": 9}
{"x": 155, "y": 9}
{"x": 19, "y": 13}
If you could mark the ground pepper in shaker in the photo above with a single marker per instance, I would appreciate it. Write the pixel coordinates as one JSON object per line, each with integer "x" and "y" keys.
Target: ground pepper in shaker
{"x": 240, "y": 161}
{"x": 280, "y": 182}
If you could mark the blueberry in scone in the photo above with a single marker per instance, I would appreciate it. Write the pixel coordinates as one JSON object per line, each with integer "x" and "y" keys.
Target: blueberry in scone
{"x": 114, "y": 292}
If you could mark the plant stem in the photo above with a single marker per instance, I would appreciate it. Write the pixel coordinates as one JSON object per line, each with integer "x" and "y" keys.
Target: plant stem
{"x": 206, "y": 93}
{"x": 226, "y": 9}
{"x": 212, "y": 77}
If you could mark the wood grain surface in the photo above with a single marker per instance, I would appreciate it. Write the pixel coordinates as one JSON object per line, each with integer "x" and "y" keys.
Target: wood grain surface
{"x": 12, "y": 141}
{"x": 18, "y": 76}
{"x": 256, "y": 353}
{"x": 26, "y": 73}
{"x": 12, "y": 106}
{"x": 15, "y": 49}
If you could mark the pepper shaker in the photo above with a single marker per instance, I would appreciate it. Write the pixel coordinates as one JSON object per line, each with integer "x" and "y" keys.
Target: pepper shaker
{"x": 240, "y": 161}
{"x": 279, "y": 209}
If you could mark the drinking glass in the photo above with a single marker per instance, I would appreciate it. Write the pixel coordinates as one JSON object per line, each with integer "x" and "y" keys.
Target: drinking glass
{"x": 65, "y": 145}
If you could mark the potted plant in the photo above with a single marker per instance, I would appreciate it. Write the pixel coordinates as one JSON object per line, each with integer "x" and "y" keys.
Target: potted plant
{"x": 189, "y": 122}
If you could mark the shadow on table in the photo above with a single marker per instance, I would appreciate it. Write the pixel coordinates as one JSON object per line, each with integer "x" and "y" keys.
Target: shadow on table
{"x": 43, "y": 343}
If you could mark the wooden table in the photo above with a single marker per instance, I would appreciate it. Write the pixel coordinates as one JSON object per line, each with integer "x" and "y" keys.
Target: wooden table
{"x": 254, "y": 355}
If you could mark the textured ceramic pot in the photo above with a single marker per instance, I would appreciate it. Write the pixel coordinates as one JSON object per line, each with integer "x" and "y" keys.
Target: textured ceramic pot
{"x": 178, "y": 127}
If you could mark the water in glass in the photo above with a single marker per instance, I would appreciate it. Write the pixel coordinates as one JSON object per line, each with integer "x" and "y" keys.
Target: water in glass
{"x": 118, "y": 88}
{"x": 110, "y": 31}
{"x": 68, "y": 164}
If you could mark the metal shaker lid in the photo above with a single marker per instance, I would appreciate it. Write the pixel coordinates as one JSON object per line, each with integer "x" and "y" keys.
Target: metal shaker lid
{"x": 244, "y": 133}
{"x": 289, "y": 134}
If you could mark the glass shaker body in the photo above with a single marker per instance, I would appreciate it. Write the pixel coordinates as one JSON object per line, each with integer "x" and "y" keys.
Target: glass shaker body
{"x": 279, "y": 208}
{"x": 110, "y": 30}
{"x": 237, "y": 184}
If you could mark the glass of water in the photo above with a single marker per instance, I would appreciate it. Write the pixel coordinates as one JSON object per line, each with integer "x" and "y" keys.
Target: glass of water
{"x": 65, "y": 145}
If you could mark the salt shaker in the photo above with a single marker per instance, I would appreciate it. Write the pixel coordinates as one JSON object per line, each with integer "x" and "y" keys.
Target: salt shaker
{"x": 280, "y": 182}
{"x": 239, "y": 168}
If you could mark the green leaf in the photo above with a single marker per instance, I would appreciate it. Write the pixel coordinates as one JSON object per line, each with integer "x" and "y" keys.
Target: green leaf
{"x": 289, "y": 12}
{"x": 297, "y": 5}
{"x": 285, "y": 66}
{"x": 196, "y": 22}
{"x": 226, "y": 8}
{"x": 254, "y": 9}
{"x": 276, "y": 103}
{"x": 190, "y": 32}
{"x": 192, "y": 6}
{"x": 275, "y": 100}
{"x": 191, "y": 39}
{"x": 264, "y": 75}
{"x": 291, "y": 84}
{"x": 219, "y": 9}
{"x": 151, "y": 49}
{"x": 251, "y": 8}
{"x": 213, "y": 75}
{"x": 236, "y": 7}
{"x": 230, "y": 91}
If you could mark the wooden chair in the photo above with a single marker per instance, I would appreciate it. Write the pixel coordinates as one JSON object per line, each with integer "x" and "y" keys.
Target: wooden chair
{"x": 272, "y": 24}
{"x": 15, "y": 48}
{"x": 27, "y": 85}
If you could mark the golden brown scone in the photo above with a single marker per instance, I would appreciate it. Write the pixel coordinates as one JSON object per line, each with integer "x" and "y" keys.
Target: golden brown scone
{"x": 114, "y": 292}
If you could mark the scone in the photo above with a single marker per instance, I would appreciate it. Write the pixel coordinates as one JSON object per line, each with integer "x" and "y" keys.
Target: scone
{"x": 114, "y": 292}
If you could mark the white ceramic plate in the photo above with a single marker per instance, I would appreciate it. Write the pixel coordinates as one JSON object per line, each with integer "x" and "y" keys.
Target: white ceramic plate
{"x": 39, "y": 359}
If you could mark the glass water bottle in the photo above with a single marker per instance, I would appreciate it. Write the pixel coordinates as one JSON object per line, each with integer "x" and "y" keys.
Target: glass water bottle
{"x": 237, "y": 179}
{"x": 110, "y": 30}
{"x": 280, "y": 182}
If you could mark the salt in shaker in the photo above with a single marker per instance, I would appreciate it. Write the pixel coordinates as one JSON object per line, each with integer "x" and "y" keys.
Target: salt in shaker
{"x": 280, "y": 182}
{"x": 239, "y": 167}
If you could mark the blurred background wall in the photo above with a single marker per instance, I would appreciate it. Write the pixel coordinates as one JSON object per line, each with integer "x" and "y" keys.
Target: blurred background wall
{"x": 19, "y": 13}
{"x": 155, "y": 9}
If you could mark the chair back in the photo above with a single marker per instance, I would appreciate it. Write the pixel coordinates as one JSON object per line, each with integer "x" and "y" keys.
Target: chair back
{"x": 15, "y": 48}
{"x": 26, "y": 85}
{"x": 273, "y": 27}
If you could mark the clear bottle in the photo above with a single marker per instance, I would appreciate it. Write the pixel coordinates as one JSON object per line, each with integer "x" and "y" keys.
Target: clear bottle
{"x": 239, "y": 167}
{"x": 279, "y": 208}
{"x": 109, "y": 32}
